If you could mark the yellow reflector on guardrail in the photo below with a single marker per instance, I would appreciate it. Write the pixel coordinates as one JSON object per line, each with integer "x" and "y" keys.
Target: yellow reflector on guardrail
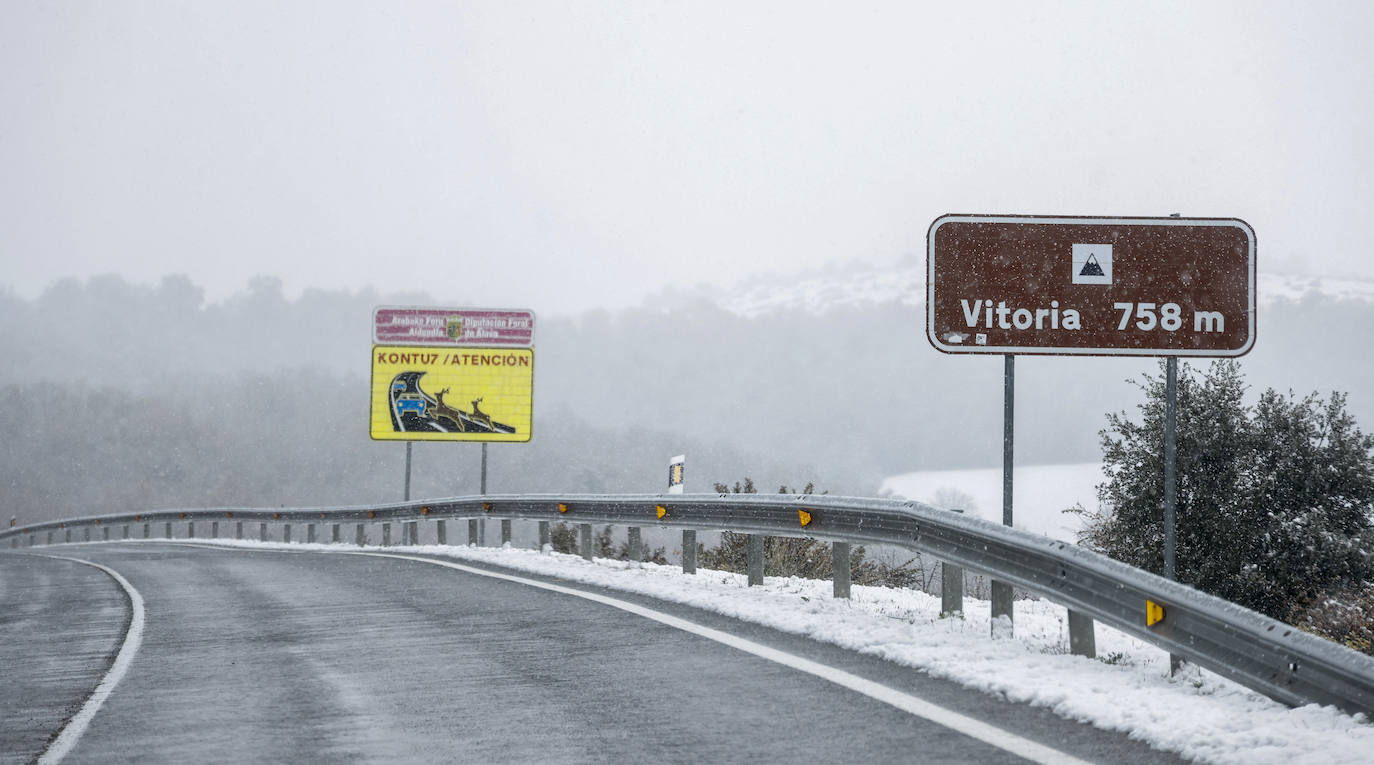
{"x": 662, "y": 511}
{"x": 562, "y": 508}
{"x": 804, "y": 517}
{"x": 1154, "y": 613}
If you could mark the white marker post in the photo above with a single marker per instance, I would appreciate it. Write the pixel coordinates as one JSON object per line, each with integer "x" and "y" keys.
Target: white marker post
{"x": 676, "y": 470}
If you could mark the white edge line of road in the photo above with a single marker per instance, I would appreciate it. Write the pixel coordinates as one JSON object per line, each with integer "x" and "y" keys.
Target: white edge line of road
{"x": 76, "y": 726}
{"x": 976, "y": 729}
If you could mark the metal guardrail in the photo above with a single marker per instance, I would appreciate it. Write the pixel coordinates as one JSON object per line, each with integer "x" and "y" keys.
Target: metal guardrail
{"x": 1263, "y": 654}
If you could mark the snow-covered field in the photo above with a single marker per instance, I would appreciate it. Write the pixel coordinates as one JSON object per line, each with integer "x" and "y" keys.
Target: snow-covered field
{"x": 1040, "y": 493}
{"x": 1197, "y": 714}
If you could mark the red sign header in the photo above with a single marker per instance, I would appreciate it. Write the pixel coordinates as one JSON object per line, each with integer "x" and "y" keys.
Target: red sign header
{"x": 496, "y": 328}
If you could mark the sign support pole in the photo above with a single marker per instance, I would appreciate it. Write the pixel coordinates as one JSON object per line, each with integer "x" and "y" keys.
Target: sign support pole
{"x": 1171, "y": 479}
{"x": 1001, "y": 591}
{"x": 407, "y": 490}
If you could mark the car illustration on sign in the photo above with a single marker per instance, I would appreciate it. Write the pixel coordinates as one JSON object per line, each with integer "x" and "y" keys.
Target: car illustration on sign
{"x": 415, "y": 411}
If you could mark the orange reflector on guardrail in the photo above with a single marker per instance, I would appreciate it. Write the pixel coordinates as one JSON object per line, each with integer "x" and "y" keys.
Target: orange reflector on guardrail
{"x": 1154, "y": 613}
{"x": 226, "y": 515}
{"x": 562, "y": 508}
{"x": 424, "y": 511}
{"x": 371, "y": 513}
{"x": 804, "y": 517}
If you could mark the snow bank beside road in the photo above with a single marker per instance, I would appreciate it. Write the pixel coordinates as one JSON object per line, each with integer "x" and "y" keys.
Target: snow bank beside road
{"x": 1197, "y": 714}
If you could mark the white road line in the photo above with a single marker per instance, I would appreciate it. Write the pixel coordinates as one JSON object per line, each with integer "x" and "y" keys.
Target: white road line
{"x": 77, "y": 725}
{"x": 988, "y": 734}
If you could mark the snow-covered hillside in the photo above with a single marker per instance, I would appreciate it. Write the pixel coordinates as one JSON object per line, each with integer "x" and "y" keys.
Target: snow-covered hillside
{"x": 905, "y": 283}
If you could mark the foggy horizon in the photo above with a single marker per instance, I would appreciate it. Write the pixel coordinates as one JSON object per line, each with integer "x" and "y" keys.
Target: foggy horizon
{"x": 501, "y": 154}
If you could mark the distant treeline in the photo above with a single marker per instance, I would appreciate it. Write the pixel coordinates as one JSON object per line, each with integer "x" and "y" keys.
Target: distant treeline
{"x": 122, "y": 396}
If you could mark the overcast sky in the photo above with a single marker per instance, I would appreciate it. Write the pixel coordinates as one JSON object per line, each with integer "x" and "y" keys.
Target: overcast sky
{"x": 561, "y": 156}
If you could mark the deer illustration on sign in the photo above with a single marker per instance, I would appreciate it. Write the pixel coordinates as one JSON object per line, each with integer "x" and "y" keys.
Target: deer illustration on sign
{"x": 414, "y": 410}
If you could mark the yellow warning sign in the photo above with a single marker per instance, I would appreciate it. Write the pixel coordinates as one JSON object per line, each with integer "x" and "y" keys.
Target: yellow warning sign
{"x": 1154, "y": 613}
{"x": 452, "y": 393}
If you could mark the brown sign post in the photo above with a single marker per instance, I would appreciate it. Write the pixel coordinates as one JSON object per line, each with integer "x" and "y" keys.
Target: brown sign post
{"x": 1009, "y": 285}
{"x": 1091, "y": 286}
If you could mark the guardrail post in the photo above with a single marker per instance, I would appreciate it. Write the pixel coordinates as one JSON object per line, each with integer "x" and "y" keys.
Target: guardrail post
{"x": 105, "y": 530}
{"x": 238, "y": 529}
{"x": 262, "y": 532}
{"x": 167, "y": 530}
{"x": 951, "y": 589}
{"x": 414, "y": 532}
{"x": 472, "y": 532}
{"x": 286, "y": 532}
{"x": 334, "y": 534}
{"x": 360, "y": 535}
{"x": 386, "y": 535}
{"x": 755, "y": 559}
{"x": 1002, "y": 614}
{"x": 214, "y": 529}
{"x": 1082, "y": 639}
{"x": 68, "y": 536}
{"x": 634, "y": 544}
{"x": 545, "y": 537}
{"x": 839, "y": 564}
{"x": 505, "y": 532}
{"x": 87, "y": 532}
{"x": 16, "y": 539}
{"x": 147, "y": 530}
{"x": 441, "y": 532}
{"x": 481, "y": 532}
{"x": 689, "y": 551}
{"x": 190, "y": 529}
{"x": 586, "y": 531}
{"x": 951, "y": 585}
{"x": 126, "y": 531}
{"x": 310, "y": 533}
{"x": 31, "y": 540}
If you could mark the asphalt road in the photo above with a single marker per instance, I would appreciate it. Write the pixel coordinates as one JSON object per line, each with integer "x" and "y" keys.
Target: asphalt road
{"x": 257, "y": 656}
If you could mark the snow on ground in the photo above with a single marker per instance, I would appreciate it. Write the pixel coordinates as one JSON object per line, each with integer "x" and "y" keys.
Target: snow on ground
{"x": 1197, "y": 714}
{"x": 1040, "y": 493}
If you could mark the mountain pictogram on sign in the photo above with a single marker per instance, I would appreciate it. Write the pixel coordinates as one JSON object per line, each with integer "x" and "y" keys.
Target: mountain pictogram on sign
{"x": 1092, "y": 263}
{"x": 1091, "y": 268}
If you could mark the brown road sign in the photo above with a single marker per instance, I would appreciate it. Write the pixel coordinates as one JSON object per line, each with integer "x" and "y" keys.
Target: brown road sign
{"x": 1091, "y": 286}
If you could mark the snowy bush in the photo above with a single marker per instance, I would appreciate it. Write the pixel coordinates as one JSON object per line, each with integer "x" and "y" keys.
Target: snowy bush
{"x": 800, "y": 556}
{"x": 564, "y": 539}
{"x": 1274, "y": 501}
{"x": 1345, "y": 617}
